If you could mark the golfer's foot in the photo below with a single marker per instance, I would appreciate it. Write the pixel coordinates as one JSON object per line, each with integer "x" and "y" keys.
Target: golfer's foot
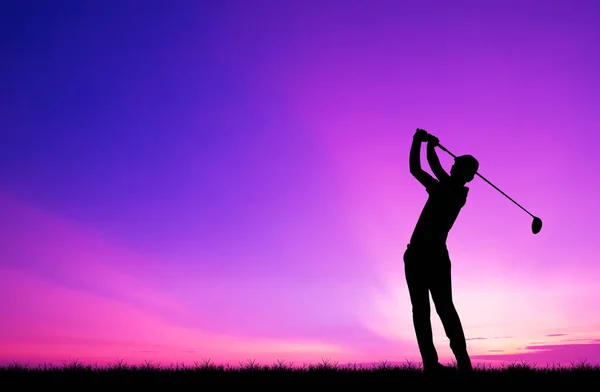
{"x": 464, "y": 365}
{"x": 438, "y": 368}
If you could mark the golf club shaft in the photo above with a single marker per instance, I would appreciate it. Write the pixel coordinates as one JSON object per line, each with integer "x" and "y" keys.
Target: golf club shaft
{"x": 484, "y": 179}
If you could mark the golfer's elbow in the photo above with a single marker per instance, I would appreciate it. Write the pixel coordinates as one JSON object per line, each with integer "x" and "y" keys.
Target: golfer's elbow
{"x": 417, "y": 173}
{"x": 415, "y": 164}
{"x": 414, "y": 158}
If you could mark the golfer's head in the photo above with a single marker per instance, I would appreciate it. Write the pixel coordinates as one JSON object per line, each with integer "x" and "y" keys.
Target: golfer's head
{"x": 464, "y": 168}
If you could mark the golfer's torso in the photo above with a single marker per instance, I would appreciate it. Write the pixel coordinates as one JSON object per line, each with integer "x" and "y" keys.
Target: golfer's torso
{"x": 438, "y": 215}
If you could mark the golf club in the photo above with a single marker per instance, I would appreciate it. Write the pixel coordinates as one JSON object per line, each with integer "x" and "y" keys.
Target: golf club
{"x": 536, "y": 225}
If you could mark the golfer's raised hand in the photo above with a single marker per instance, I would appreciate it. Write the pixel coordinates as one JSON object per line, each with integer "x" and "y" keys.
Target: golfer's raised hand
{"x": 432, "y": 140}
{"x": 421, "y": 135}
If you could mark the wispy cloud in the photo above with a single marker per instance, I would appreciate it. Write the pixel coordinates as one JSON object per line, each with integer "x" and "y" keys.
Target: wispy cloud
{"x": 545, "y": 354}
{"x": 588, "y": 340}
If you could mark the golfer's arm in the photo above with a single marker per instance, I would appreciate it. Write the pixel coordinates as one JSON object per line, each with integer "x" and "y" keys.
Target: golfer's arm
{"x": 415, "y": 165}
{"x": 434, "y": 163}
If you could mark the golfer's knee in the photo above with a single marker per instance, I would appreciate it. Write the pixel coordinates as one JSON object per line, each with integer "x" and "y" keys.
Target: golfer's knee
{"x": 446, "y": 310}
{"x": 421, "y": 309}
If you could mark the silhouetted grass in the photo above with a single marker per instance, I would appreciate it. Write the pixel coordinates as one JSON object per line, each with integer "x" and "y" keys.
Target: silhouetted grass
{"x": 381, "y": 375}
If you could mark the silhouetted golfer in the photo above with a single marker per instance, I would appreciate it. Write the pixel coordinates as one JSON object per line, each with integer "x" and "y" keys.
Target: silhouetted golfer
{"x": 426, "y": 260}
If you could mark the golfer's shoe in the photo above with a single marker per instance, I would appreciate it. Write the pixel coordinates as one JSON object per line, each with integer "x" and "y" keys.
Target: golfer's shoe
{"x": 438, "y": 369}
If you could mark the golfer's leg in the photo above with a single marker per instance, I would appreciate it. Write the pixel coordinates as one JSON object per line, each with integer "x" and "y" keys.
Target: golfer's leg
{"x": 421, "y": 312}
{"x": 441, "y": 293}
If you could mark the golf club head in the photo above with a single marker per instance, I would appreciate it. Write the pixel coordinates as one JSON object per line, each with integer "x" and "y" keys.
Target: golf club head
{"x": 536, "y": 225}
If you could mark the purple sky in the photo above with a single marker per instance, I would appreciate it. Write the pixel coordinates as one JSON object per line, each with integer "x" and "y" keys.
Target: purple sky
{"x": 185, "y": 180}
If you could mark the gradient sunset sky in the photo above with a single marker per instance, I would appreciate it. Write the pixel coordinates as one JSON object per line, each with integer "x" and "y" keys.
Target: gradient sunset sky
{"x": 183, "y": 180}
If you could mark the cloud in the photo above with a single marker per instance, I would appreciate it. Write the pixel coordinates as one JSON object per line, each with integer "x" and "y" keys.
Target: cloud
{"x": 555, "y": 334}
{"x": 83, "y": 341}
{"x": 545, "y": 354}
{"x": 477, "y": 339}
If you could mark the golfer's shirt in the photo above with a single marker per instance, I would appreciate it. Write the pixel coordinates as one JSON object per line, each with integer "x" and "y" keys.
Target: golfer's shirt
{"x": 439, "y": 214}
